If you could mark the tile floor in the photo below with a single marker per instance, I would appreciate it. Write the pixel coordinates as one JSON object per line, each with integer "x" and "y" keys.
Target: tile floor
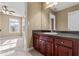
{"x": 14, "y": 46}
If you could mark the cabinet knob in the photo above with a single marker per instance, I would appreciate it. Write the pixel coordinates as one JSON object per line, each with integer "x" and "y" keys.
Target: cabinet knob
{"x": 62, "y": 42}
{"x": 40, "y": 40}
{"x": 56, "y": 46}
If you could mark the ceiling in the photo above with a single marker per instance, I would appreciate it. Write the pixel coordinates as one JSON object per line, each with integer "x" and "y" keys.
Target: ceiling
{"x": 18, "y": 7}
{"x": 63, "y": 5}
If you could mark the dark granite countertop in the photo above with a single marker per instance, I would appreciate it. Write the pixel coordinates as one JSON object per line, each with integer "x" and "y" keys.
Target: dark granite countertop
{"x": 68, "y": 35}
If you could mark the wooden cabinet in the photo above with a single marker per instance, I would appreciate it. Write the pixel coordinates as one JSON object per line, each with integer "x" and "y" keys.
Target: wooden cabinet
{"x": 49, "y": 49}
{"x": 62, "y": 51}
{"x": 46, "y": 45}
{"x": 55, "y": 45}
{"x": 63, "y": 41}
{"x": 63, "y": 47}
{"x": 49, "y": 46}
{"x": 36, "y": 41}
{"x": 42, "y": 46}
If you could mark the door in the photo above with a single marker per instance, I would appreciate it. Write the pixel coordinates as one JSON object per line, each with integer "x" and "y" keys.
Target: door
{"x": 42, "y": 46}
{"x": 52, "y": 22}
{"x": 62, "y": 51}
{"x": 49, "y": 49}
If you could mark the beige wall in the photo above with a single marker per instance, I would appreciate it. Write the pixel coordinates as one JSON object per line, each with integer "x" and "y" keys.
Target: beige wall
{"x": 4, "y": 25}
{"x": 62, "y": 18}
{"x": 37, "y": 18}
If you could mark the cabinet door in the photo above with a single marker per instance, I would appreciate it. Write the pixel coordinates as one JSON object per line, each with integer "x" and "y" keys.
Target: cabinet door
{"x": 49, "y": 49}
{"x": 62, "y": 51}
{"x": 35, "y": 42}
{"x": 42, "y": 46}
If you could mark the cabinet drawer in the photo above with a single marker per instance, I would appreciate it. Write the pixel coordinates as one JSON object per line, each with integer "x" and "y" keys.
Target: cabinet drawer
{"x": 50, "y": 39}
{"x": 43, "y": 38}
{"x": 64, "y": 42}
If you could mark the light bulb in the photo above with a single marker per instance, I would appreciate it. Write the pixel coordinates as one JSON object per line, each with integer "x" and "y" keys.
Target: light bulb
{"x": 47, "y": 2}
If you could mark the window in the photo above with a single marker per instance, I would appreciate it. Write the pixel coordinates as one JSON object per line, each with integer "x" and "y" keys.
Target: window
{"x": 73, "y": 21}
{"x": 14, "y": 25}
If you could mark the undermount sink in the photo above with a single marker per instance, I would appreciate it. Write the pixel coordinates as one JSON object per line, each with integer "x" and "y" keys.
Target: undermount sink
{"x": 51, "y": 33}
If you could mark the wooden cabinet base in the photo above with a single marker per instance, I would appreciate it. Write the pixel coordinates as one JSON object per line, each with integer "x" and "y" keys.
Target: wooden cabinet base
{"x": 55, "y": 46}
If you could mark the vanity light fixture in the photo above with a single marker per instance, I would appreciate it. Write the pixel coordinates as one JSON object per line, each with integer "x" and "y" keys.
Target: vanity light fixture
{"x": 6, "y": 10}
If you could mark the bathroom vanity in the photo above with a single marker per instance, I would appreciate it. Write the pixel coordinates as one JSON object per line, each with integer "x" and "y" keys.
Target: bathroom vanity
{"x": 56, "y": 44}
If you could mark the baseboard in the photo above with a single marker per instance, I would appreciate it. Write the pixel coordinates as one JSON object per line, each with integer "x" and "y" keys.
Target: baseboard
{"x": 30, "y": 48}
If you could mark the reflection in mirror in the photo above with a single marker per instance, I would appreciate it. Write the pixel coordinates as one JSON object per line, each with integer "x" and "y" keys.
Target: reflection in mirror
{"x": 52, "y": 21}
{"x": 73, "y": 21}
{"x": 66, "y": 15}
